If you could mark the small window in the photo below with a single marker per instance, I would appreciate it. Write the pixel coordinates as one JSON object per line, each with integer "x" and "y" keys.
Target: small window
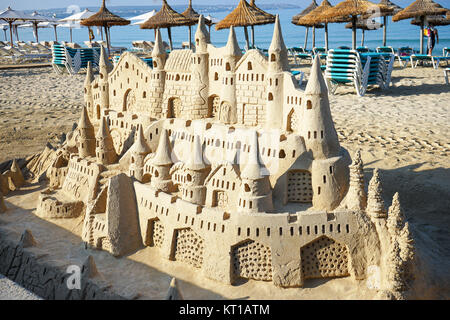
{"x": 249, "y": 66}
{"x": 246, "y": 187}
{"x": 273, "y": 57}
{"x": 308, "y": 104}
{"x": 270, "y": 96}
{"x": 144, "y": 94}
{"x": 216, "y": 76}
{"x": 228, "y": 66}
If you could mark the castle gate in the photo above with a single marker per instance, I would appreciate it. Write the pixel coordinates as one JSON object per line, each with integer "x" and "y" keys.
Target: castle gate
{"x": 174, "y": 108}
{"x": 252, "y": 260}
{"x": 188, "y": 247}
{"x": 299, "y": 186}
{"x": 324, "y": 258}
{"x": 213, "y": 106}
{"x": 155, "y": 233}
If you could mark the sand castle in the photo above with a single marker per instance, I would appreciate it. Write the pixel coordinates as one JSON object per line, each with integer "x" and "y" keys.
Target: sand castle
{"x": 219, "y": 160}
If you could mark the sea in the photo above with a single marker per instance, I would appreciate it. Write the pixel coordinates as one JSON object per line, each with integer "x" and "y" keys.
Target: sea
{"x": 399, "y": 34}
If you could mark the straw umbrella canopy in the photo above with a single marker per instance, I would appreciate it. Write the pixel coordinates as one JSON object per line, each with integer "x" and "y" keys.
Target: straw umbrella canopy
{"x": 192, "y": 15}
{"x": 433, "y": 20}
{"x": 166, "y": 17}
{"x": 350, "y": 10}
{"x": 365, "y": 25}
{"x": 310, "y": 19}
{"x": 295, "y": 20}
{"x": 395, "y": 9}
{"x": 420, "y": 9}
{"x": 244, "y": 15}
{"x": 11, "y": 16}
{"x": 265, "y": 16}
{"x": 104, "y": 18}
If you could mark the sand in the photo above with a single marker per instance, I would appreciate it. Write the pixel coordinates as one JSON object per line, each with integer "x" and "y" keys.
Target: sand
{"x": 404, "y": 131}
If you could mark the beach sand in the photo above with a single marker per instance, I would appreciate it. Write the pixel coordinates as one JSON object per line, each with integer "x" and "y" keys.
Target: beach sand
{"x": 404, "y": 131}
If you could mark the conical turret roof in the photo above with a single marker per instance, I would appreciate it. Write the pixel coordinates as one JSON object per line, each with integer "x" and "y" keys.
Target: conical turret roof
{"x": 174, "y": 292}
{"x": 195, "y": 161}
{"x": 202, "y": 33}
{"x": 232, "y": 44}
{"x": 158, "y": 49}
{"x": 104, "y": 62}
{"x": 140, "y": 146}
{"x": 316, "y": 84}
{"x": 163, "y": 153}
{"x": 84, "y": 122}
{"x": 253, "y": 168}
{"x": 277, "y": 38}
{"x": 89, "y": 75}
{"x": 103, "y": 132}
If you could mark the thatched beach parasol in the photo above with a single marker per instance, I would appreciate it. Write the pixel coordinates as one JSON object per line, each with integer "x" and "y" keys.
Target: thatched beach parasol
{"x": 420, "y": 9}
{"x": 433, "y": 20}
{"x": 295, "y": 20}
{"x": 166, "y": 17}
{"x": 192, "y": 15}
{"x": 395, "y": 9}
{"x": 106, "y": 19}
{"x": 350, "y": 10}
{"x": 11, "y": 17}
{"x": 310, "y": 20}
{"x": 365, "y": 25}
{"x": 244, "y": 15}
{"x": 265, "y": 16}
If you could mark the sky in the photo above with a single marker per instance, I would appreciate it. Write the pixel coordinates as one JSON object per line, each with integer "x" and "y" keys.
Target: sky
{"x": 51, "y": 4}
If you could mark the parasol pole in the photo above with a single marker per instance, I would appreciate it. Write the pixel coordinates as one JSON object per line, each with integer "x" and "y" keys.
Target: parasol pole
{"x": 326, "y": 36}
{"x": 56, "y": 33}
{"x": 253, "y": 37}
{"x": 107, "y": 41}
{"x": 190, "y": 37}
{"x": 70, "y": 34}
{"x": 354, "y": 32}
{"x": 10, "y": 33}
{"x": 169, "y": 32}
{"x": 384, "y": 30}
{"x": 35, "y": 24}
{"x": 246, "y": 38}
{"x": 314, "y": 37}
{"x": 6, "y": 37}
{"x": 306, "y": 38}
{"x": 422, "y": 18}
{"x": 362, "y": 38}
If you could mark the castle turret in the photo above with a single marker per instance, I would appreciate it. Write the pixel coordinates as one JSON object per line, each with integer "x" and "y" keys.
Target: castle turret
{"x": 106, "y": 154}
{"x": 138, "y": 150}
{"x": 86, "y": 146}
{"x": 255, "y": 194}
{"x": 228, "y": 103}
{"x": 375, "y": 202}
{"x": 103, "y": 83}
{"x": 196, "y": 171}
{"x": 278, "y": 63}
{"x": 160, "y": 165}
{"x": 200, "y": 80}
{"x": 317, "y": 127}
{"x": 88, "y": 96}
{"x": 159, "y": 57}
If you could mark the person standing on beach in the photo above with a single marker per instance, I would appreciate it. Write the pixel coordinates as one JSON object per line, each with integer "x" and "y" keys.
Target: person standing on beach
{"x": 432, "y": 37}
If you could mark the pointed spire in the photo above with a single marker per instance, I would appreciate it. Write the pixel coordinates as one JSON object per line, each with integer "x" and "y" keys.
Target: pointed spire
{"x": 16, "y": 174}
{"x": 406, "y": 243}
{"x": 104, "y": 63}
{"x": 89, "y": 268}
{"x": 356, "y": 198}
{"x": 140, "y": 146}
{"x": 316, "y": 84}
{"x": 202, "y": 35}
{"x": 103, "y": 132}
{"x": 375, "y": 203}
{"x": 195, "y": 161}
{"x": 232, "y": 44}
{"x": 158, "y": 49}
{"x": 89, "y": 75}
{"x": 277, "y": 38}
{"x": 174, "y": 292}
{"x": 163, "y": 153}
{"x": 253, "y": 168}
{"x": 84, "y": 122}
{"x": 27, "y": 239}
{"x": 396, "y": 218}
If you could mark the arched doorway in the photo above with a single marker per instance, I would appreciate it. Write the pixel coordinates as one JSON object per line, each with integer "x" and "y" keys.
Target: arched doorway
{"x": 213, "y": 106}
{"x": 174, "y": 108}
{"x": 128, "y": 100}
{"x": 289, "y": 121}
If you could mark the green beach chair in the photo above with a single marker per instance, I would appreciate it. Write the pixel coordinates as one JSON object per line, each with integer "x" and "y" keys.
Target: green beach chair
{"x": 386, "y": 49}
{"x": 300, "y": 54}
{"x": 446, "y": 52}
{"x": 403, "y": 55}
{"x": 322, "y": 52}
{"x": 426, "y": 59}
{"x": 65, "y": 59}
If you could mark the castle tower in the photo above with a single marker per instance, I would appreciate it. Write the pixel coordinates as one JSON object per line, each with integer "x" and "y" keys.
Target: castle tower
{"x": 88, "y": 96}
{"x": 160, "y": 165}
{"x": 196, "y": 171}
{"x": 228, "y": 103}
{"x": 375, "y": 202}
{"x": 278, "y": 63}
{"x": 138, "y": 152}
{"x": 106, "y": 154}
{"x": 105, "y": 68}
{"x": 159, "y": 57}
{"x": 356, "y": 198}
{"x": 200, "y": 79}
{"x": 86, "y": 147}
{"x": 317, "y": 127}
{"x": 255, "y": 194}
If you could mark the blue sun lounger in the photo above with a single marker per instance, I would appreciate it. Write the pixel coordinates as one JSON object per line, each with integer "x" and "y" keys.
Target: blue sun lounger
{"x": 301, "y": 54}
{"x": 65, "y": 59}
{"x": 424, "y": 58}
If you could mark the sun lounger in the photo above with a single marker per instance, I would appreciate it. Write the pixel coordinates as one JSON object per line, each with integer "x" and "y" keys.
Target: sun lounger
{"x": 301, "y": 54}
{"x": 446, "y": 75}
{"x": 73, "y": 60}
{"x": 322, "y": 52}
{"x": 387, "y": 49}
{"x": 362, "y": 49}
{"x": 446, "y": 52}
{"x": 298, "y": 75}
{"x": 424, "y": 58}
{"x": 403, "y": 55}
